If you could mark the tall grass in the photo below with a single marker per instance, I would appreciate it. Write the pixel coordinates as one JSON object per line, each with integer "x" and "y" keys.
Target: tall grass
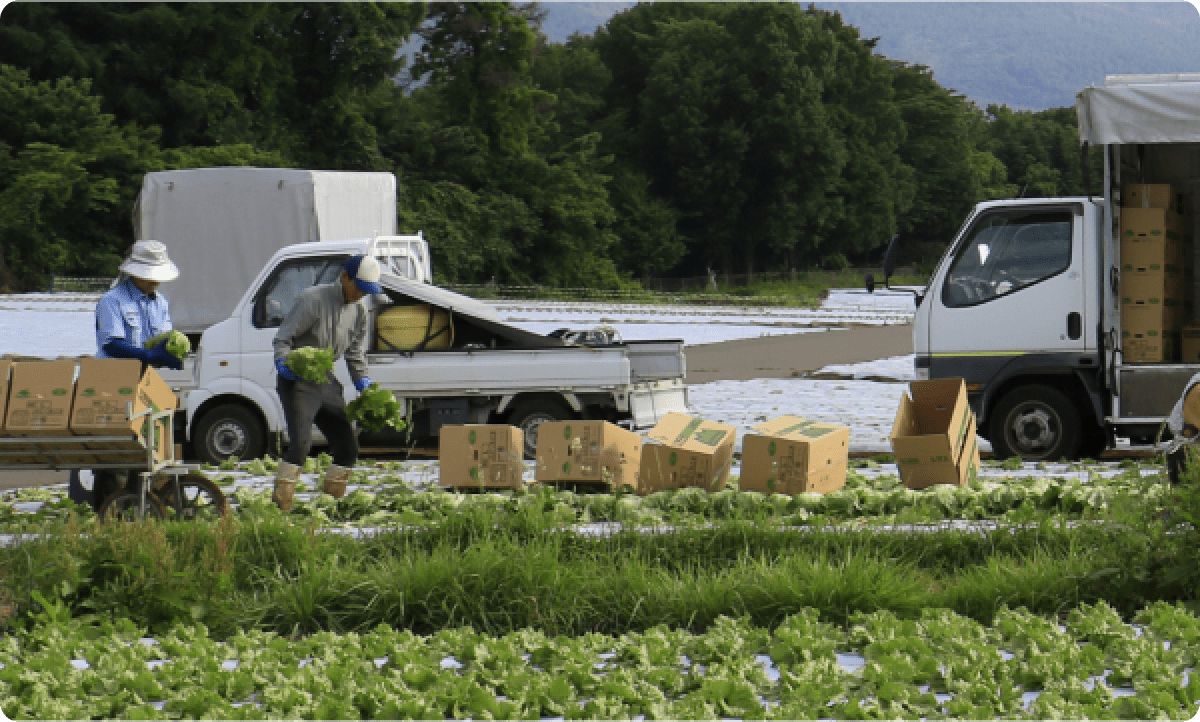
{"x": 502, "y": 571}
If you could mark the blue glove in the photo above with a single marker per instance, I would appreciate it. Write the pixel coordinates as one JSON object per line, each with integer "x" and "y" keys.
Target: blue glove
{"x": 120, "y": 348}
{"x": 159, "y": 356}
{"x": 362, "y": 384}
{"x": 284, "y": 371}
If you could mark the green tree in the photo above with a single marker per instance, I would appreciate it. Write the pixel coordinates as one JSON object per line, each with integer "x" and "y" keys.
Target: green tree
{"x": 282, "y": 76}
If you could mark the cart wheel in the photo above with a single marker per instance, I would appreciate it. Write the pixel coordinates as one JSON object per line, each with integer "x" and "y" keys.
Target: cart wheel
{"x": 200, "y": 498}
{"x": 123, "y": 506}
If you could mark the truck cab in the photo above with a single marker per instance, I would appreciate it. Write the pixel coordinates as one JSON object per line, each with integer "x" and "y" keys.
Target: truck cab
{"x": 1037, "y": 304}
{"x": 1014, "y": 308}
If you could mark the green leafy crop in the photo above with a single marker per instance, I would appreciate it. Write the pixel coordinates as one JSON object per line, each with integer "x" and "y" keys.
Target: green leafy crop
{"x": 311, "y": 363}
{"x": 375, "y": 410}
{"x": 176, "y": 343}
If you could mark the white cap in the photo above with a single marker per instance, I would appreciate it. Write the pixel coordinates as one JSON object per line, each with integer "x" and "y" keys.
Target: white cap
{"x": 148, "y": 261}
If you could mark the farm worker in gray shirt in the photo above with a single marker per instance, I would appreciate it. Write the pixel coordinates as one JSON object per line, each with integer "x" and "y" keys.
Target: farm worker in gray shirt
{"x": 329, "y": 316}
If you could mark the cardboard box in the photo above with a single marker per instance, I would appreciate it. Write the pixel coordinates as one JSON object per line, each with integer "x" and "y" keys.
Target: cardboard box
{"x": 1149, "y": 333}
{"x": 5, "y": 369}
{"x": 790, "y": 455}
{"x": 1191, "y": 409}
{"x": 919, "y": 472}
{"x": 39, "y": 399}
{"x": 1149, "y": 195}
{"x": 594, "y": 452}
{"x": 933, "y": 425}
{"x": 684, "y": 451}
{"x": 481, "y": 456}
{"x": 1189, "y": 342}
{"x": 1151, "y": 235}
{"x": 1144, "y": 285}
{"x": 104, "y": 388}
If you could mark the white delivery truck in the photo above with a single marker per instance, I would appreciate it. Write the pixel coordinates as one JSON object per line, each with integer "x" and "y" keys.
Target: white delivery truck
{"x": 448, "y": 358}
{"x": 1027, "y": 303}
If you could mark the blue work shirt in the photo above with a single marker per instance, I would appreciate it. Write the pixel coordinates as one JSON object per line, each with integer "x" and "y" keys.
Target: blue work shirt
{"x": 127, "y": 312}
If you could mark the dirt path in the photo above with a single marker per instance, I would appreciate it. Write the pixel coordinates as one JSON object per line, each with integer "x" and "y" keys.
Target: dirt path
{"x": 777, "y": 357}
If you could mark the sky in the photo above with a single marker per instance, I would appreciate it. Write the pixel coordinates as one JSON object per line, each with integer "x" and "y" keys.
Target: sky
{"x": 1027, "y": 55}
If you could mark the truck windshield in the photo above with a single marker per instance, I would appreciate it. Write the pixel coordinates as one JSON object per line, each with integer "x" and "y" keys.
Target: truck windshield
{"x": 1006, "y": 252}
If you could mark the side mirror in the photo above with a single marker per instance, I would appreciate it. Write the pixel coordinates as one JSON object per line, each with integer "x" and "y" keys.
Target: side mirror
{"x": 870, "y": 283}
{"x": 889, "y": 258}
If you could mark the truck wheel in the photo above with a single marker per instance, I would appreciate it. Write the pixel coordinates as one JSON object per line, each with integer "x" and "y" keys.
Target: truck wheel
{"x": 1037, "y": 423}
{"x": 529, "y": 415}
{"x": 226, "y": 431}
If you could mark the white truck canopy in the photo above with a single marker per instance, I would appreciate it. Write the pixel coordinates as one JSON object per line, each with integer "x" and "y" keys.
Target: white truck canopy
{"x": 1140, "y": 109}
{"x": 221, "y": 225}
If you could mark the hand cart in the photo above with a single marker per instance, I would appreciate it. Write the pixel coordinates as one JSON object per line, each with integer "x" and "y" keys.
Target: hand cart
{"x": 165, "y": 484}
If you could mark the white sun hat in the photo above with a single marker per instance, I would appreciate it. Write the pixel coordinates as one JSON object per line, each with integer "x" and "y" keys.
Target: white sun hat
{"x": 148, "y": 261}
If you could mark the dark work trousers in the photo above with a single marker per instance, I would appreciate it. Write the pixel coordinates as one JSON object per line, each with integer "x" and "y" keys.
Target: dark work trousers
{"x": 306, "y": 403}
{"x": 105, "y": 482}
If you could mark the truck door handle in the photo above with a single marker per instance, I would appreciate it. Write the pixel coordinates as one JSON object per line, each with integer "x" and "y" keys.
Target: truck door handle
{"x": 1074, "y": 325}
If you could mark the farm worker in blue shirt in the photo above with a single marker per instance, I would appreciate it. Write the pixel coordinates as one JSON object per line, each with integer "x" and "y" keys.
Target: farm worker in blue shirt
{"x": 134, "y": 312}
{"x": 329, "y": 316}
{"x": 131, "y": 313}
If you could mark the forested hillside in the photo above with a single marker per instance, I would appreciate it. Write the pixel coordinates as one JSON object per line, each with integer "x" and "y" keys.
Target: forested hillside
{"x": 740, "y": 137}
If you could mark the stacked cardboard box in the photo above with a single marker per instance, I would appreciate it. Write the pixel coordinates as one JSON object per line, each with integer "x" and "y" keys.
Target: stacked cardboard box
{"x": 39, "y": 404}
{"x": 683, "y": 451}
{"x": 933, "y": 437}
{"x": 790, "y": 455}
{"x": 481, "y": 456}
{"x": 100, "y": 408}
{"x": 1156, "y": 285}
{"x": 588, "y": 453}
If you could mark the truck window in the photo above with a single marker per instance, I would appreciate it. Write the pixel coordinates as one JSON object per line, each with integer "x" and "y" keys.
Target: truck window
{"x": 1006, "y": 252}
{"x": 278, "y": 294}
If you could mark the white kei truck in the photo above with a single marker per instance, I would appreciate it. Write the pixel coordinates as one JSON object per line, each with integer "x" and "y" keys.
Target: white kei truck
{"x": 465, "y": 366}
{"x": 1026, "y": 303}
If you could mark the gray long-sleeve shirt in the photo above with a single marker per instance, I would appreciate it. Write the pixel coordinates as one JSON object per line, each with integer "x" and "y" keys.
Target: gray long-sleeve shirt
{"x": 322, "y": 318}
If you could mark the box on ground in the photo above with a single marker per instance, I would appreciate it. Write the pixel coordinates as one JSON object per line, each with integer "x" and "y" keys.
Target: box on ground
{"x": 933, "y": 434}
{"x": 481, "y": 456}
{"x": 1189, "y": 342}
{"x": 685, "y": 451}
{"x": 104, "y": 389}
{"x": 791, "y": 455}
{"x": 590, "y": 452}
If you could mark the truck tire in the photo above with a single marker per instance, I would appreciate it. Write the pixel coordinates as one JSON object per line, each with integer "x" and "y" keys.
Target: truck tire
{"x": 1037, "y": 423}
{"x": 228, "y": 430}
{"x": 529, "y": 415}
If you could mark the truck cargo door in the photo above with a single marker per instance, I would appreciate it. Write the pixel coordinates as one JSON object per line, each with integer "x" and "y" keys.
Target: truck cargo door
{"x": 1014, "y": 286}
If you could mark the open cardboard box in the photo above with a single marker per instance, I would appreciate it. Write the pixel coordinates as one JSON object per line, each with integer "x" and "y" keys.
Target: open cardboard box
{"x": 104, "y": 389}
{"x": 684, "y": 451}
{"x": 588, "y": 453}
{"x": 933, "y": 437}
{"x": 790, "y": 455}
{"x": 481, "y": 456}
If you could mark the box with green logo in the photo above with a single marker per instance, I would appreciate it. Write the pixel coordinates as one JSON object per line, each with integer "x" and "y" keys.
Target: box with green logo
{"x": 791, "y": 455}
{"x": 1151, "y": 235}
{"x": 481, "y": 456}
{"x": 102, "y": 394}
{"x": 39, "y": 398}
{"x": 682, "y": 451}
{"x": 588, "y": 453}
{"x": 934, "y": 434}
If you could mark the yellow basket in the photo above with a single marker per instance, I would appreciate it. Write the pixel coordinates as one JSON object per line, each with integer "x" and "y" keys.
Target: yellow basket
{"x": 406, "y": 328}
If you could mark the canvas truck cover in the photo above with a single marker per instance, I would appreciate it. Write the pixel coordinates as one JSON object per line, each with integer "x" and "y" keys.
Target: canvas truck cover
{"x": 1140, "y": 109}
{"x": 221, "y": 225}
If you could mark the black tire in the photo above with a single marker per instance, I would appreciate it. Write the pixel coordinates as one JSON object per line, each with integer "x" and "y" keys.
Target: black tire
{"x": 529, "y": 415}
{"x": 228, "y": 430}
{"x": 1037, "y": 423}
{"x": 123, "y": 506}
{"x": 199, "y": 498}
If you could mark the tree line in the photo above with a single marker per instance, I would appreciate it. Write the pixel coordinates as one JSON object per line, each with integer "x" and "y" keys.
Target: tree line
{"x": 679, "y": 137}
